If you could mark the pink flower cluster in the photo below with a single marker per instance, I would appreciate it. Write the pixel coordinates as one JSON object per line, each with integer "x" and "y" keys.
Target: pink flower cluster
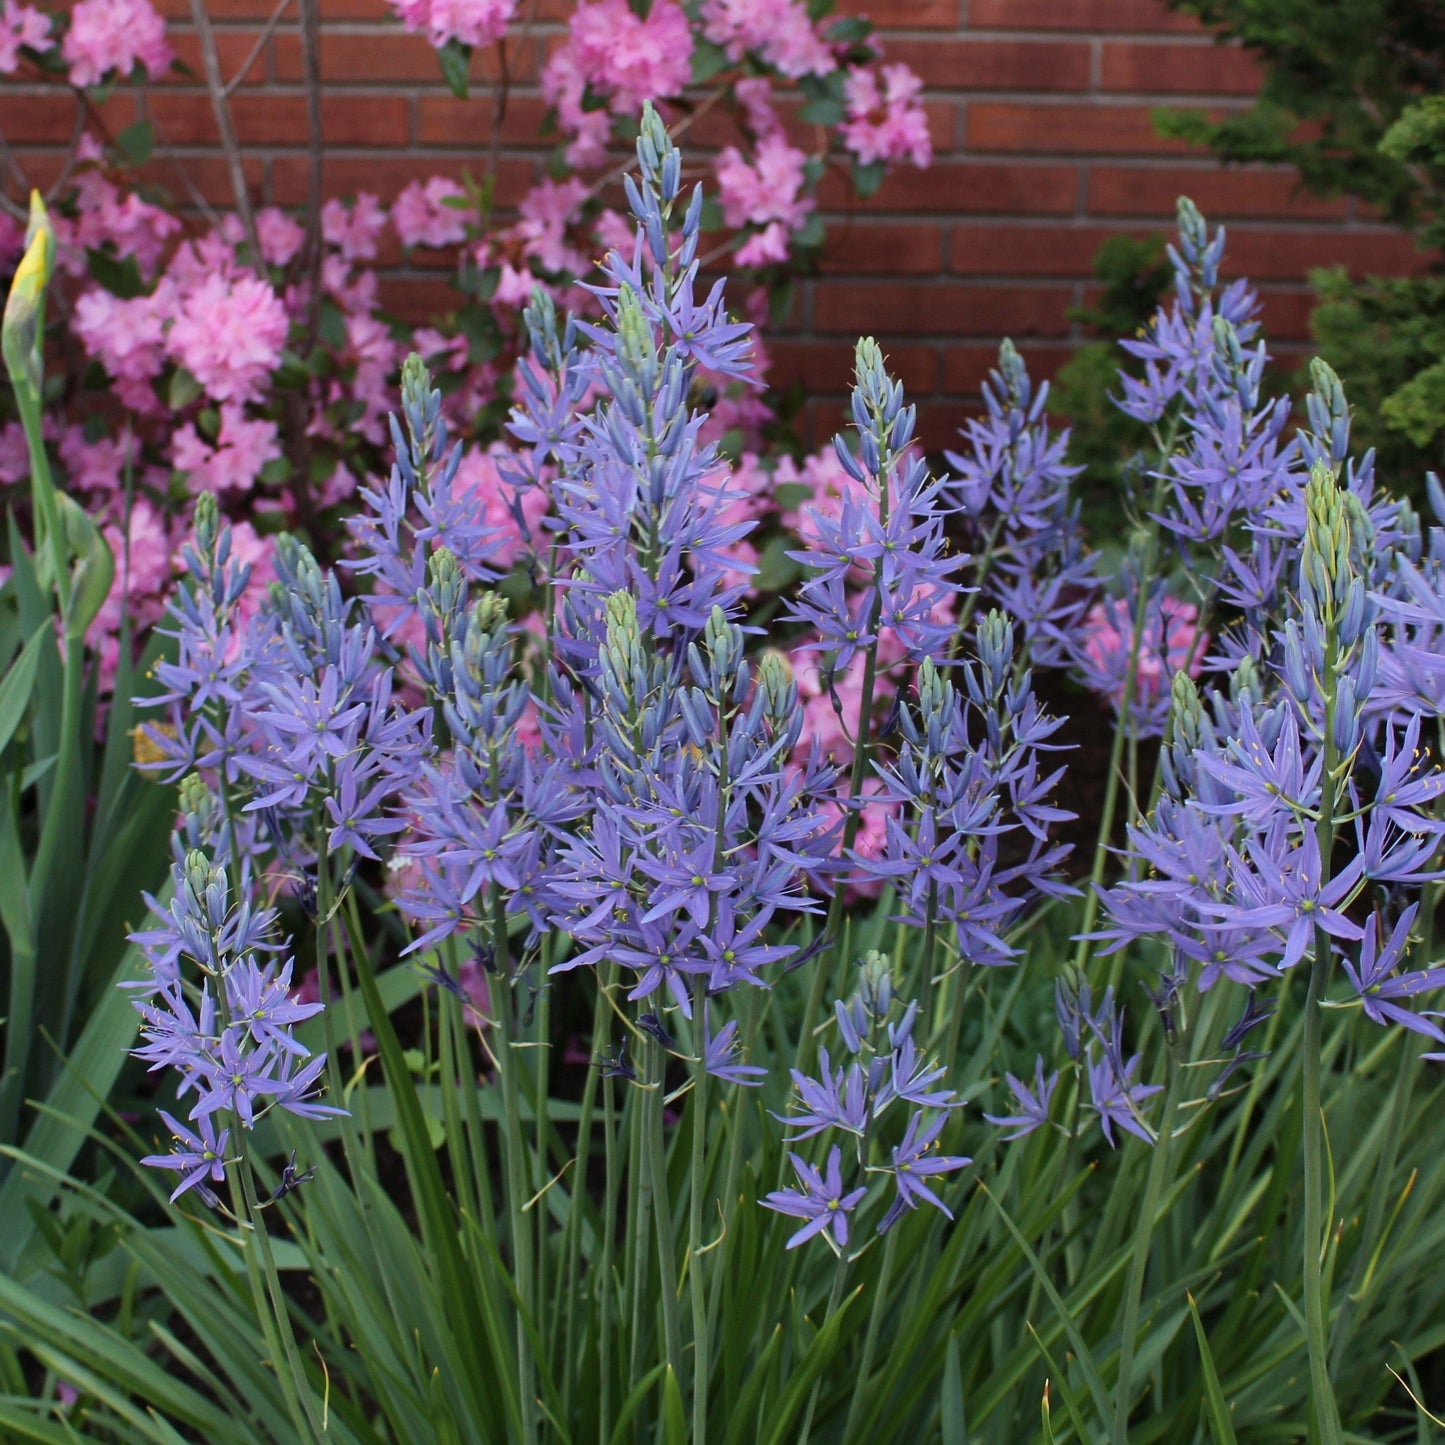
{"x": 620, "y": 55}
{"x": 196, "y": 358}
{"x": 423, "y": 215}
{"x": 470, "y": 22}
{"x": 766, "y": 192}
{"x": 112, "y": 35}
{"x": 887, "y": 124}
{"x": 21, "y": 25}
{"x": 778, "y": 30}
{"x": 1171, "y": 641}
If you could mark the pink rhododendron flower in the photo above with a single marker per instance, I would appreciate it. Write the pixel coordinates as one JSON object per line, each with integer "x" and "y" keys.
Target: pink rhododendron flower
{"x": 564, "y": 86}
{"x": 142, "y": 553}
{"x": 243, "y": 446}
{"x": 100, "y": 466}
{"x": 886, "y": 125}
{"x": 127, "y": 338}
{"x": 472, "y": 22}
{"x": 755, "y": 95}
{"x": 108, "y": 35}
{"x": 1171, "y": 639}
{"x": 779, "y": 30}
{"x": 133, "y": 226}
{"x": 766, "y": 248}
{"x": 477, "y": 476}
{"x": 353, "y": 229}
{"x": 546, "y": 211}
{"x": 21, "y": 25}
{"x": 422, "y": 218}
{"x": 835, "y": 734}
{"x": 229, "y": 334}
{"x": 765, "y": 189}
{"x": 14, "y": 453}
{"x": 628, "y": 58}
{"x": 281, "y": 237}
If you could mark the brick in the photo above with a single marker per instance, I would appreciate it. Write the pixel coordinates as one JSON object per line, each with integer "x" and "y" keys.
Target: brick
{"x": 938, "y": 308}
{"x": 280, "y": 120}
{"x": 233, "y": 49}
{"x": 44, "y": 119}
{"x": 416, "y": 299}
{"x": 1178, "y": 69}
{"x": 1110, "y": 16}
{"x": 961, "y": 187}
{"x": 909, "y": 15}
{"x": 390, "y": 57}
{"x": 718, "y": 127}
{"x": 1286, "y": 313}
{"x": 443, "y": 120}
{"x": 825, "y": 367}
{"x": 1067, "y": 129}
{"x": 1221, "y": 194}
{"x": 880, "y": 249}
{"x": 1269, "y": 255}
{"x": 385, "y": 176}
{"x": 970, "y": 63}
{"x": 208, "y": 174}
{"x": 1001, "y": 249}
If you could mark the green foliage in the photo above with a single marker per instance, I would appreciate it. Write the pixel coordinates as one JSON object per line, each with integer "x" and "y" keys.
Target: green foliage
{"x": 1350, "y": 100}
{"x": 1348, "y": 69}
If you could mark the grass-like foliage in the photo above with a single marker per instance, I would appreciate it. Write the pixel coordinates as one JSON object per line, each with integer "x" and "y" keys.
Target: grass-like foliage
{"x": 639, "y": 1068}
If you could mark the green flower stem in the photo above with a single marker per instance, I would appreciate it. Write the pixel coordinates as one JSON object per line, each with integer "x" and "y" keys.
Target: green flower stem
{"x": 854, "y": 819}
{"x": 835, "y": 1296}
{"x": 638, "y": 1216}
{"x": 520, "y": 1218}
{"x": 565, "y": 1314}
{"x": 1143, "y": 1236}
{"x": 655, "y": 1148}
{"x": 925, "y": 982}
{"x": 701, "y": 1354}
{"x": 875, "y": 1322}
{"x": 601, "y": 1286}
{"x": 1322, "y": 1394}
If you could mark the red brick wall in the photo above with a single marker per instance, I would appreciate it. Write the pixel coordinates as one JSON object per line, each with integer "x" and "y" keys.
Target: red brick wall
{"x": 1040, "y": 114}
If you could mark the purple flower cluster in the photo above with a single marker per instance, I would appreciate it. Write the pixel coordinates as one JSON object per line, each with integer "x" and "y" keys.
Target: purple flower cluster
{"x": 229, "y": 1034}
{"x": 625, "y": 787}
{"x": 882, "y": 567}
{"x": 884, "y": 1066}
{"x": 968, "y": 770}
{"x": 1012, "y": 487}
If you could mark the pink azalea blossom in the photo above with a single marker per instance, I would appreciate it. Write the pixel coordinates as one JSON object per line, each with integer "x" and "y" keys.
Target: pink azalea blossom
{"x": 243, "y": 447}
{"x": 99, "y": 466}
{"x": 778, "y": 30}
{"x": 477, "y": 476}
{"x": 132, "y": 226}
{"x": 353, "y": 229}
{"x": 766, "y": 248}
{"x": 886, "y": 125}
{"x": 422, "y": 218}
{"x": 127, "y": 337}
{"x": 14, "y": 453}
{"x": 631, "y": 59}
{"x": 21, "y": 25}
{"x": 472, "y": 22}
{"x": 280, "y": 236}
{"x": 755, "y": 95}
{"x": 229, "y": 334}
{"x": 111, "y": 35}
{"x": 767, "y": 188}
{"x": 1171, "y": 639}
